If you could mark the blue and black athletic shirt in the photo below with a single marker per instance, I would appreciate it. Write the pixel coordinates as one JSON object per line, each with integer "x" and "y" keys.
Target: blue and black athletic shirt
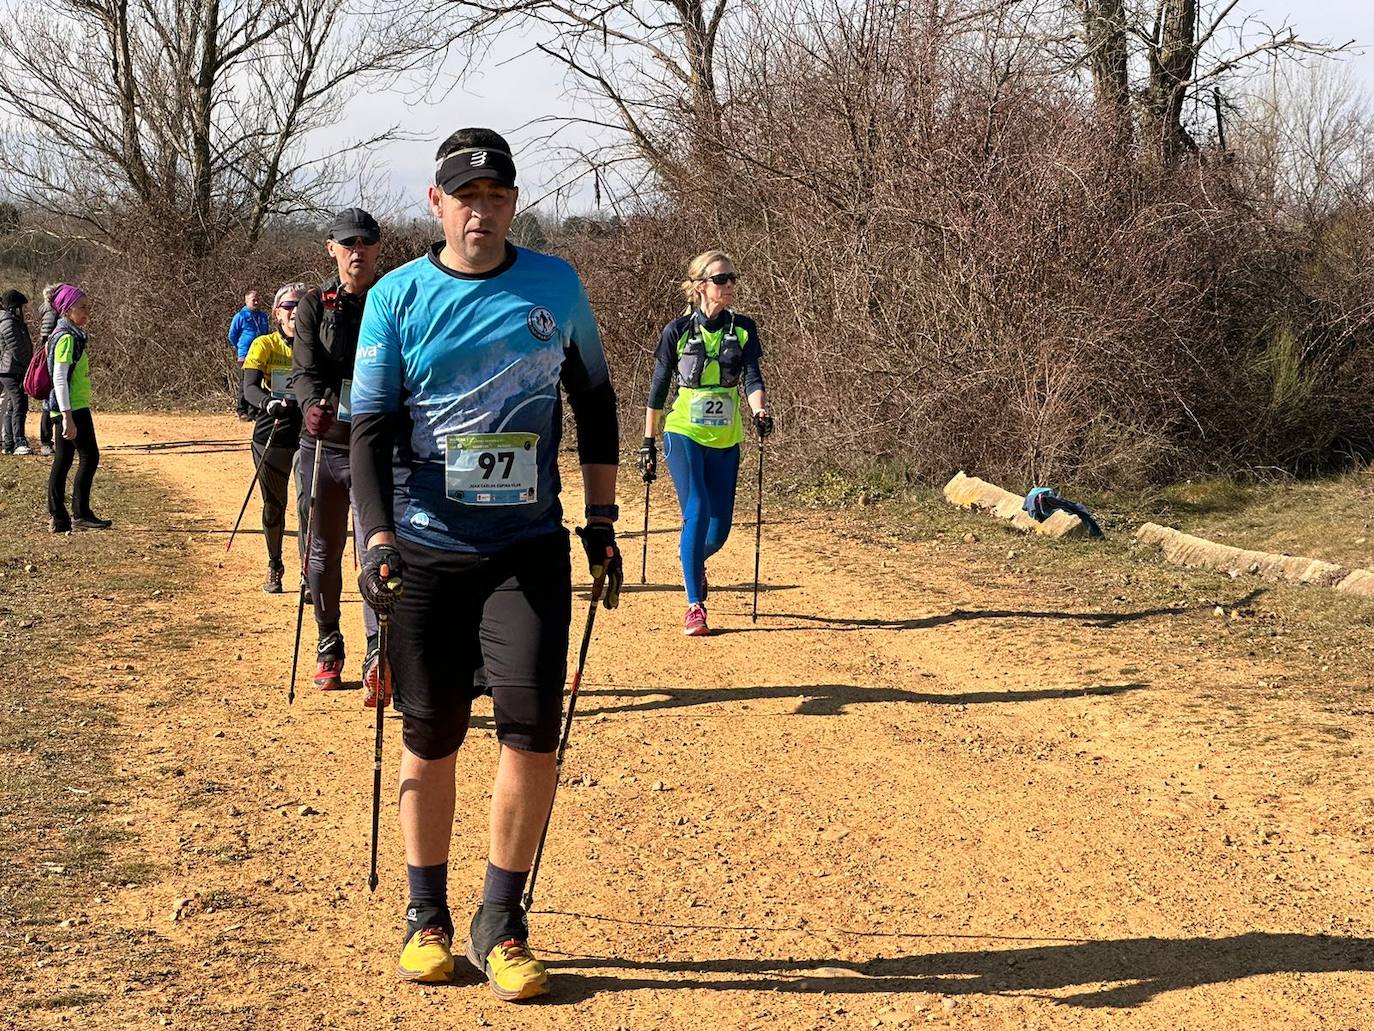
{"x": 457, "y": 415}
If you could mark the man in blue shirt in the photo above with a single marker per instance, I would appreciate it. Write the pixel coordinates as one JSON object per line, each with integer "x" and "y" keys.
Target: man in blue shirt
{"x": 457, "y": 418}
{"x": 249, "y": 323}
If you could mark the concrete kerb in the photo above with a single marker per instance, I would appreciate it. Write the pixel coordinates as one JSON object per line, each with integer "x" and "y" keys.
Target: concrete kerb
{"x": 1182, "y": 549}
{"x": 970, "y": 492}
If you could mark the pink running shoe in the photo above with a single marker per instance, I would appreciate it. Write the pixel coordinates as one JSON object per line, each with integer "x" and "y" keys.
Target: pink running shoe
{"x": 694, "y": 623}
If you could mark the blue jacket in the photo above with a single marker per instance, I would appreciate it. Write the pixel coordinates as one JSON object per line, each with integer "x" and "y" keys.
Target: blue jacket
{"x": 247, "y": 326}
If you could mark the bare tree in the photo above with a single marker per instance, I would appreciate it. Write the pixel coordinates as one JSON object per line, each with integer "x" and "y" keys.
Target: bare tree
{"x": 1182, "y": 50}
{"x": 645, "y": 71}
{"x": 194, "y": 114}
{"x": 1107, "y": 56}
{"x": 1308, "y": 132}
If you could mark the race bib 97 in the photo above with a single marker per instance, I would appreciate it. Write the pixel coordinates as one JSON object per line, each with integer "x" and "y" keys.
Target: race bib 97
{"x": 492, "y": 468}
{"x": 713, "y": 409}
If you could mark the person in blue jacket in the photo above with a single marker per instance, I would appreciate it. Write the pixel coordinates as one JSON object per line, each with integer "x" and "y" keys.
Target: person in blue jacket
{"x": 248, "y": 324}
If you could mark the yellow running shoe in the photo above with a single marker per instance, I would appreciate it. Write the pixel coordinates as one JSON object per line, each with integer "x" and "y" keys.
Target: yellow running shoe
{"x": 428, "y": 956}
{"x": 511, "y": 970}
{"x": 507, "y": 963}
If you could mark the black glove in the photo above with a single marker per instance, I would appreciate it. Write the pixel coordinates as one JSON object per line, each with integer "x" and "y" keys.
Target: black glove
{"x": 603, "y": 558}
{"x": 319, "y": 417}
{"x": 380, "y": 579}
{"x": 763, "y": 422}
{"x": 277, "y": 407}
{"x": 648, "y": 461}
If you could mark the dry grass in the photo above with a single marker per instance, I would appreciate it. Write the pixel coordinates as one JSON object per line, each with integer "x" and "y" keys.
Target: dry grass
{"x": 59, "y": 596}
{"x": 1313, "y": 637}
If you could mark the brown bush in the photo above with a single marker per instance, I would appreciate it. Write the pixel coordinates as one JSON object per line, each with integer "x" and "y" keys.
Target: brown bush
{"x": 957, "y": 269}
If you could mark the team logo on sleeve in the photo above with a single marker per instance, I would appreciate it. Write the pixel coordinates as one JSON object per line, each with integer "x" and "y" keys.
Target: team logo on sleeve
{"x": 542, "y": 323}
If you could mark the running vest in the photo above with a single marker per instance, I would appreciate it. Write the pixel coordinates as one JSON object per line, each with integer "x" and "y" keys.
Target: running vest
{"x": 709, "y": 368}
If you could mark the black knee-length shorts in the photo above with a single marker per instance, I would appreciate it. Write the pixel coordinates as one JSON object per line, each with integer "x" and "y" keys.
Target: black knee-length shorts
{"x": 506, "y": 614}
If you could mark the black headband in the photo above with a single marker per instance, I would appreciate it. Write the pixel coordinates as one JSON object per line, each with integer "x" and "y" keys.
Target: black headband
{"x": 463, "y": 166}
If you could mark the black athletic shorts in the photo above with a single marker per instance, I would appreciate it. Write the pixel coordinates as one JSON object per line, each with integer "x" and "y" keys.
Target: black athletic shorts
{"x": 509, "y": 613}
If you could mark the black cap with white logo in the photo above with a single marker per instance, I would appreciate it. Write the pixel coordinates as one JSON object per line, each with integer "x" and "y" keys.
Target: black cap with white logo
{"x": 460, "y": 167}
{"x": 352, "y": 223}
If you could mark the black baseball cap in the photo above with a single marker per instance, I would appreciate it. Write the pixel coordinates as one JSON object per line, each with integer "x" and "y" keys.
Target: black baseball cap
{"x": 458, "y": 167}
{"x": 351, "y": 222}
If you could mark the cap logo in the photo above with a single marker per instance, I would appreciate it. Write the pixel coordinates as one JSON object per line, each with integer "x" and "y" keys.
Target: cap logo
{"x": 479, "y": 159}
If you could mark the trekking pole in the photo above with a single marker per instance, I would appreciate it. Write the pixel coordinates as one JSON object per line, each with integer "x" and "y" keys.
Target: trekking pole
{"x": 383, "y": 675}
{"x": 758, "y": 536}
{"x": 257, "y": 471}
{"x": 644, "y": 558}
{"x": 305, "y": 577}
{"x": 597, "y": 586}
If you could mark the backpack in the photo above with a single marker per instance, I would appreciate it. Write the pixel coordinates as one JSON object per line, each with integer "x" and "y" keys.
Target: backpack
{"x": 38, "y": 378}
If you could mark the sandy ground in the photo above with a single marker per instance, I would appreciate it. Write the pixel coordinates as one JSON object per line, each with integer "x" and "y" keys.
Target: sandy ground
{"x": 899, "y": 799}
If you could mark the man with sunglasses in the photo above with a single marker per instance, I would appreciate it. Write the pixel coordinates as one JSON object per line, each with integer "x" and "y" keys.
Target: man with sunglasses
{"x": 327, "y": 321}
{"x": 462, "y": 360}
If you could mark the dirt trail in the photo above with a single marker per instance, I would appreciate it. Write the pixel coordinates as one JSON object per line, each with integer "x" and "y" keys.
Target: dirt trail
{"x": 902, "y": 798}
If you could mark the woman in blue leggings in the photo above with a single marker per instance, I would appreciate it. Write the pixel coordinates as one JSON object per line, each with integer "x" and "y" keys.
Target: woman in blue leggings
{"x": 712, "y": 354}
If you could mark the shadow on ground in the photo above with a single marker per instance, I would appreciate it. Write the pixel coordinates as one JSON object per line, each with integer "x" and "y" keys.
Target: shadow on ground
{"x": 1120, "y": 974}
{"x": 829, "y": 699}
{"x": 1101, "y": 620}
{"x": 676, "y": 587}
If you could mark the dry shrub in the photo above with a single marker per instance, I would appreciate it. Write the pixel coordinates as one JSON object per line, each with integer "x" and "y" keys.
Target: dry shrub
{"x": 161, "y": 319}
{"x": 955, "y": 265}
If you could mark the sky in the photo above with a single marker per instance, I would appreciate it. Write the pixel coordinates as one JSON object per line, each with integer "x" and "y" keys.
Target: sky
{"x": 514, "y": 87}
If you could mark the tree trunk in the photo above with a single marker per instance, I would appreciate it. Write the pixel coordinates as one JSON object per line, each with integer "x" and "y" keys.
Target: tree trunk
{"x": 1172, "y": 61}
{"x": 1104, "y": 23}
{"x": 200, "y": 235}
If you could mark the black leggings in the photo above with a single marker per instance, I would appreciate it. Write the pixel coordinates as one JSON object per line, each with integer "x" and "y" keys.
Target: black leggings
{"x": 16, "y": 407}
{"x": 64, "y": 452}
{"x": 274, "y": 474}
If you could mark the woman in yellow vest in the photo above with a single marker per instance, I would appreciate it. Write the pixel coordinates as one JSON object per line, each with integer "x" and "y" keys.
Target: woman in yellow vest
{"x": 712, "y": 353}
{"x": 277, "y": 430}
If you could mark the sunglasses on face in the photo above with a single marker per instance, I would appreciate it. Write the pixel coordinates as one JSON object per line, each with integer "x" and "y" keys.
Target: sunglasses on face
{"x": 721, "y": 278}
{"x": 354, "y": 243}
{"x": 288, "y": 306}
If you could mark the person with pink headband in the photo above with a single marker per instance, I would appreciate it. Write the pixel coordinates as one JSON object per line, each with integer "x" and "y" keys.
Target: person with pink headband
{"x": 70, "y": 404}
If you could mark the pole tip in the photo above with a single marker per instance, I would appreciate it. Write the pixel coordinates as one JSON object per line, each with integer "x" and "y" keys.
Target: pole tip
{"x": 372, "y": 882}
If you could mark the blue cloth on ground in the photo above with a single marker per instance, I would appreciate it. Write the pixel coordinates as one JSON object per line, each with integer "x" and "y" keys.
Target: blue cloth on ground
{"x": 1042, "y": 502}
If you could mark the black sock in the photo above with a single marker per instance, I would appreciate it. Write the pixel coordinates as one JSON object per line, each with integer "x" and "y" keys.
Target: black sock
{"x": 503, "y": 887}
{"x": 428, "y": 905}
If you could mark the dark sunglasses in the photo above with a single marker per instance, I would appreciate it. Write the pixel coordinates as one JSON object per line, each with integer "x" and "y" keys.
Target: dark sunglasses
{"x": 720, "y": 279}
{"x": 288, "y": 305}
{"x": 354, "y": 242}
